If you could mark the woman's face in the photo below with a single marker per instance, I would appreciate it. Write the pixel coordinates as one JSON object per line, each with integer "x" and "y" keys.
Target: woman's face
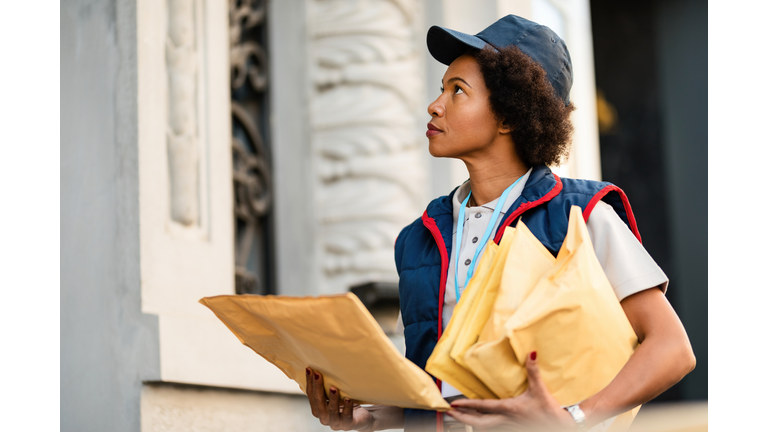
{"x": 463, "y": 124}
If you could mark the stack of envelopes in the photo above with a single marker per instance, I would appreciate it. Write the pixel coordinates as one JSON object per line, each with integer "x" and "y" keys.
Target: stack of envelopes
{"x": 523, "y": 299}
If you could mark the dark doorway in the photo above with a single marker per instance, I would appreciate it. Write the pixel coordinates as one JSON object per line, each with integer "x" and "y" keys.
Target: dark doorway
{"x": 651, "y": 76}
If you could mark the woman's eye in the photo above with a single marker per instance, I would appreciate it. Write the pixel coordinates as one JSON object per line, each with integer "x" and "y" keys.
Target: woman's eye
{"x": 457, "y": 90}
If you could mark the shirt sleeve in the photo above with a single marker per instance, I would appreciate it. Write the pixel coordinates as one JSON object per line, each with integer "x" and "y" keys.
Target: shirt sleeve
{"x": 626, "y": 263}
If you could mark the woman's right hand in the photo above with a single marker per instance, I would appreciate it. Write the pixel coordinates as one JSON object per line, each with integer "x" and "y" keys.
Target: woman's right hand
{"x": 332, "y": 411}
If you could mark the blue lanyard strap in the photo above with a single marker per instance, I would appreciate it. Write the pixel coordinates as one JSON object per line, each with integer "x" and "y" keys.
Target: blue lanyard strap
{"x": 486, "y": 235}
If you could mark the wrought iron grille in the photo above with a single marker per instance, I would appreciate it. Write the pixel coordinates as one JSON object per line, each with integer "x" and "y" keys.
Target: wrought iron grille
{"x": 250, "y": 147}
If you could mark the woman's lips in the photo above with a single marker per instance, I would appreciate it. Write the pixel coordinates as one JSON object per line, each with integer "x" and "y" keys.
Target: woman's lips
{"x": 432, "y": 130}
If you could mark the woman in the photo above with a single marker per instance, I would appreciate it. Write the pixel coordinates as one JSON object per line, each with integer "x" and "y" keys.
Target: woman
{"x": 504, "y": 111}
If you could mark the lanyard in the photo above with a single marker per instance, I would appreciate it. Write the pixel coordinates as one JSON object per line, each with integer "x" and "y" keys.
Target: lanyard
{"x": 486, "y": 235}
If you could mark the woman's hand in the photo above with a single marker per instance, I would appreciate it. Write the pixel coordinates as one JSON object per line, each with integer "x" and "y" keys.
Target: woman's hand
{"x": 663, "y": 358}
{"x": 332, "y": 411}
{"x": 536, "y": 408}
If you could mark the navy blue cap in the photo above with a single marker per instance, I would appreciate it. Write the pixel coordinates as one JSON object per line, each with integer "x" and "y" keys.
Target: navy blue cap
{"x": 535, "y": 40}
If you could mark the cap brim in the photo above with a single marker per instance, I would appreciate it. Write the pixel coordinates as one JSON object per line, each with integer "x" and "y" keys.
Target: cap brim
{"x": 447, "y": 45}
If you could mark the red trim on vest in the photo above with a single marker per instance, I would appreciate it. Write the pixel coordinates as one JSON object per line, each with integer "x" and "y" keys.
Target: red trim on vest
{"x": 630, "y": 216}
{"x": 529, "y": 205}
{"x": 431, "y": 225}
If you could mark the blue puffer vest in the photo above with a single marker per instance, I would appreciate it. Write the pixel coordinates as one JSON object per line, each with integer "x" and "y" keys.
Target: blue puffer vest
{"x": 423, "y": 247}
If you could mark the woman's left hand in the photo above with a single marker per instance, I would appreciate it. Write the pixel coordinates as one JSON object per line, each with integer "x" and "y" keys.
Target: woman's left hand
{"x": 533, "y": 409}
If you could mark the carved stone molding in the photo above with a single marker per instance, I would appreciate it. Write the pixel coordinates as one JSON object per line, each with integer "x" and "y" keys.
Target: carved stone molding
{"x": 182, "y": 134}
{"x": 364, "y": 109}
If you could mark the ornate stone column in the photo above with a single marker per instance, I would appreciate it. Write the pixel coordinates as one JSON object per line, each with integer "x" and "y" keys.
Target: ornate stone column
{"x": 366, "y": 96}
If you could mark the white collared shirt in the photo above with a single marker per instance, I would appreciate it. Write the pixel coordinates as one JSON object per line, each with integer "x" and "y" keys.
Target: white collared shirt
{"x": 476, "y": 221}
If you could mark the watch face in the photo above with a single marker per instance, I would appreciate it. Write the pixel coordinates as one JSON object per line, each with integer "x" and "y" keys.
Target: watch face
{"x": 577, "y": 414}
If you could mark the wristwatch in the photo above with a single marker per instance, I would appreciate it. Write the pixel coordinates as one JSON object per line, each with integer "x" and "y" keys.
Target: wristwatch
{"x": 578, "y": 416}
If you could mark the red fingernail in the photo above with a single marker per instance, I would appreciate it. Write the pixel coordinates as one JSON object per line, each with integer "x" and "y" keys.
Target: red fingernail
{"x": 333, "y": 391}
{"x": 346, "y": 400}
{"x": 533, "y": 355}
{"x": 317, "y": 376}
{"x": 307, "y": 371}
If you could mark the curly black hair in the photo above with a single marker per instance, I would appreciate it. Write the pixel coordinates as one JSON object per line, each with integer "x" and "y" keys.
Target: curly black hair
{"x": 522, "y": 98}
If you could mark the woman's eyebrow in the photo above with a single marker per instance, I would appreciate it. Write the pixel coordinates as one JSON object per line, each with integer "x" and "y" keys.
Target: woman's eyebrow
{"x": 459, "y": 79}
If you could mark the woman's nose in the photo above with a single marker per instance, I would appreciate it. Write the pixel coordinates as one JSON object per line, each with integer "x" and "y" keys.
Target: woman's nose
{"x": 436, "y": 109}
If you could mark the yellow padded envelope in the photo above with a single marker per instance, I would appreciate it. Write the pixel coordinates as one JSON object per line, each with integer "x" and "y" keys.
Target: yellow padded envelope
{"x": 481, "y": 308}
{"x": 574, "y": 321}
{"x": 335, "y": 335}
{"x": 563, "y": 308}
{"x": 440, "y": 364}
{"x": 526, "y": 262}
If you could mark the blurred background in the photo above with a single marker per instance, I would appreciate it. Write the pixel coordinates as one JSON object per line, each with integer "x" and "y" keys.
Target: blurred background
{"x": 277, "y": 147}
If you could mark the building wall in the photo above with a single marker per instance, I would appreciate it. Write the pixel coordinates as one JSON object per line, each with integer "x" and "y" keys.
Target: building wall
{"x": 108, "y": 346}
{"x": 171, "y": 408}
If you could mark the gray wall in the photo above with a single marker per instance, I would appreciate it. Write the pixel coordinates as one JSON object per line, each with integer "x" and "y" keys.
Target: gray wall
{"x": 108, "y": 347}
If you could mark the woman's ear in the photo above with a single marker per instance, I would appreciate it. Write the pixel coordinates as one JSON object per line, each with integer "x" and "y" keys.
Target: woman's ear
{"x": 504, "y": 128}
